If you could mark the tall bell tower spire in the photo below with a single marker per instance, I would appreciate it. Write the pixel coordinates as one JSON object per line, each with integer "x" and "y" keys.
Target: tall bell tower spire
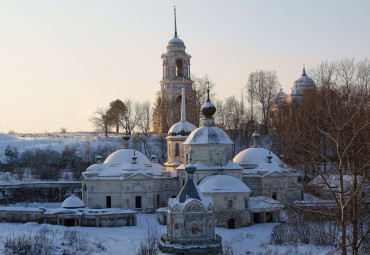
{"x": 174, "y": 9}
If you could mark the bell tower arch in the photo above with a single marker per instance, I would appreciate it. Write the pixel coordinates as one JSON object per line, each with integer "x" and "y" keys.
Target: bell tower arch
{"x": 176, "y": 74}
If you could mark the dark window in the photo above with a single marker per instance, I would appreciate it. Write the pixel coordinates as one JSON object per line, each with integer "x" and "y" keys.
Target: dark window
{"x": 85, "y": 188}
{"x": 108, "y": 201}
{"x": 229, "y": 203}
{"x": 138, "y": 202}
{"x": 183, "y": 182}
{"x": 246, "y": 203}
{"x": 158, "y": 199}
{"x": 274, "y": 196}
{"x": 179, "y": 68}
{"x": 177, "y": 149}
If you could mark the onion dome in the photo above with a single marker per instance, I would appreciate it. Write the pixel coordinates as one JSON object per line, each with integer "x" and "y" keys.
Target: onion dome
{"x": 208, "y": 109}
{"x": 256, "y": 138}
{"x": 281, "y": 95}
{"x": 222, "y": 183}
{"x": 190, "y": 168}
{"x": 304, "y": 81}
{"x": 73, "y": 202}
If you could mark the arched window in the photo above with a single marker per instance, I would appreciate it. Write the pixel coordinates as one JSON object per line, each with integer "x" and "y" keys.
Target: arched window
{"x": 178, "y": 99}
{"x": 179, "y": 68}
{"x": 274, "y": 196}
{"x": 177, "y": 149}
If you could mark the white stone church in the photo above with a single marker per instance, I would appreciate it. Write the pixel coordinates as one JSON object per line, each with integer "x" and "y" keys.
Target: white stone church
{"x": 251, "y": 187}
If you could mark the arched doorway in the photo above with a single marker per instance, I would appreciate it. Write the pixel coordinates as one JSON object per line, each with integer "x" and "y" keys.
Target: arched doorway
{"x": 231, "y": 223}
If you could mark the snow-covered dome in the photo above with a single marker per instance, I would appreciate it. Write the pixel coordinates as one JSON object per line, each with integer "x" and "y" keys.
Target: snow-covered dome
{"x": 124, "y": 156}
{"x": 183, "y": 128}
{"x": 297, "y": 92}
{"x": 208, "y": 135}
{"x": 177, "y": 42}
{"x": 222, "y": 183}
{"x": 281, "y": 95}
{"x": 73, "y": 202}
{"x": 304, "y": 81}
{"x": 255, "y": 156}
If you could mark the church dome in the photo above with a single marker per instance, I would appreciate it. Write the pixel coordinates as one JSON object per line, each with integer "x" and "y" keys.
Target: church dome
{"x": 304, "y": 81}
{"x": 281, "y": 95}
{"x": 297, "y": 92}
{"x": 181, "y": 128}
{"x": 222, "y": 183}
{"x": 177, "y": 42}
{"x": 255, "y": 156}
{"x": 73, "y": 202}
{"x": 124, "y": 156}
{"x": 208, "y": 135}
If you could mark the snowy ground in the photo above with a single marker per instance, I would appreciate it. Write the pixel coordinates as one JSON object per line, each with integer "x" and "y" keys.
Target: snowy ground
{"x": 125, "y": 240}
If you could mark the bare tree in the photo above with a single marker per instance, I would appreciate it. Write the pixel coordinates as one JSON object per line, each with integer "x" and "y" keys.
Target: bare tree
{"x": 101, "y": 121}
{"x": 132, "y": 116}
{"x": 144, "y": 126}
{"x": 262, "y": 86}
{"x": 332, "y": 127}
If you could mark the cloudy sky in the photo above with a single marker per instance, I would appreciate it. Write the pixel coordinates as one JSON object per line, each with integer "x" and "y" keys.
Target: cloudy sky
{"x": 60, "y": 60}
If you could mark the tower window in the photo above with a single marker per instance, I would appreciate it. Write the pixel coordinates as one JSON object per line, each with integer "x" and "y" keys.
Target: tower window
{"x": 179, "y": 68}
{"x": 274, "y": 196}
{"x": 177, "y": 149}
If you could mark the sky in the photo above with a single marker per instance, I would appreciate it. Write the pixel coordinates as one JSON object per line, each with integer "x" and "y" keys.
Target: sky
{"x": 60, "y": 60}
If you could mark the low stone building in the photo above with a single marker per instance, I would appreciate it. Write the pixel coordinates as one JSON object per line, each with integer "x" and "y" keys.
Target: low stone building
{"x": 71, "y": 213}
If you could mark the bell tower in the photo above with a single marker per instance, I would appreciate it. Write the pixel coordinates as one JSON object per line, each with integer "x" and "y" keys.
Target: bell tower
{"x": 176, "y": 74}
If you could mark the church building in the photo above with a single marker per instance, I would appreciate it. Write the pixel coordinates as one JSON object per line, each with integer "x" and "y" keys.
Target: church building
{"x": 234, "y": 192}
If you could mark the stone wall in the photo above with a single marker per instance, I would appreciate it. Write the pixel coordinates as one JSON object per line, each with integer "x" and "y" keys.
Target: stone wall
{"x": 40, "y": 192}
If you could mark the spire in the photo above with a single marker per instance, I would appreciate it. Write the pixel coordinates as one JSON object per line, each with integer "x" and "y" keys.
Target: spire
{"x": 183, "y": 106}
{"x": 174, "y": 9}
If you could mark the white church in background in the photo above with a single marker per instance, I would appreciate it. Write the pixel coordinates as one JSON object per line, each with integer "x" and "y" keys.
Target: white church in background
{"x": 251, "y": 187}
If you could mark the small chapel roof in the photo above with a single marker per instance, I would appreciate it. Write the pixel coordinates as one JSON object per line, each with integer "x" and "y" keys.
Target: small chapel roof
{"x": 73, "y": 202}
{"x": 222, "y": 183}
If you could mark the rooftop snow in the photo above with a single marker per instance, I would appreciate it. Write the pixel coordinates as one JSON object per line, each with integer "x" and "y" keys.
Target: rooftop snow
{"x": 208, "y": 135}
{"x": 222, "y": 183}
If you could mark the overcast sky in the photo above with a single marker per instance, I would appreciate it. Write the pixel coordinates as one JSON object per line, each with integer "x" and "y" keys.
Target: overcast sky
{"x": 61, "y": 60}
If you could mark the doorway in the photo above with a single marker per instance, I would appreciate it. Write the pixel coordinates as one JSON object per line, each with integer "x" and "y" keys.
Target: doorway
{"x": 138, "y": 202}
{"x": 108, "y": 201}
{"x": 256, "y": 217}
{"x": 231, "y": 223}
{"x": 69, "y": 222}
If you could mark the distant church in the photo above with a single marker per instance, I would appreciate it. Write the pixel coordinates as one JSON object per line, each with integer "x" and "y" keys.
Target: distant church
{"x": 176, "y": 75}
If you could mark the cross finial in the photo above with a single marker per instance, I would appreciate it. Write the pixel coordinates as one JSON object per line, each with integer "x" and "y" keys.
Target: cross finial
{"x": 208, "y": 91}
{"x": 174, "y": 9}
{"x": 304, "y": 70}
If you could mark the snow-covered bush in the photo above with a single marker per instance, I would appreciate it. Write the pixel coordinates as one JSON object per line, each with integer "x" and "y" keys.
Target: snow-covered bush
{"x": 150, "y": 244}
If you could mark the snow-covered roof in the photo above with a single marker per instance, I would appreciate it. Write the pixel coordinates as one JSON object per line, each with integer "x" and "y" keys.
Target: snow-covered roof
{"x": 281, "y": 95}
{"x": 304, "y": 81}
{"x": 200, "y": 166}
{"x": 176, "y": 42}
{"x": 73, "y": 202}
{"x": 208, "y": 135}
{"x": 262, "y": 203}
{"x": 181, "y": 128}
{"x": 333, "y": 181}
{"x": 188, "y": 193}
{"x": 222, "y": 183}
{"x": 256, "y": 156}
{"x": 123, "y": 163}
{"x": 297, "y": 92}
{"x": 124, "y": 156}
